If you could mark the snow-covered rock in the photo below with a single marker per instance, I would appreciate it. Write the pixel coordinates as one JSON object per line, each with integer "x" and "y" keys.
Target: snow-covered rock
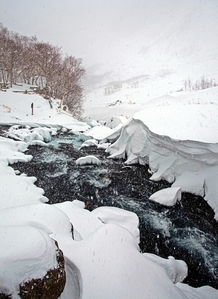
{"x": 28, "y": 253}
{"x": 88, "y": 160}
{"x": 89, "y": 142}
{"x": 167, "y": 196}
{"x": 29, "y": 135}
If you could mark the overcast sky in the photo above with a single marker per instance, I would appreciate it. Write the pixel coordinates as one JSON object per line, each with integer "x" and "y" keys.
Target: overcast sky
{"x": 81, "y": 27}
{"x": 98, "y": 31}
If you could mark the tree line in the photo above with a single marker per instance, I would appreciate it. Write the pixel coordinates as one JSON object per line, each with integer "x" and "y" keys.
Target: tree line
{"x": 27, "y": 60}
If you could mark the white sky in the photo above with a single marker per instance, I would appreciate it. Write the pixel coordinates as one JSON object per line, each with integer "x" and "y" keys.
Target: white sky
{"x": 98, "y": 31}
{"x": 80, "y": 27}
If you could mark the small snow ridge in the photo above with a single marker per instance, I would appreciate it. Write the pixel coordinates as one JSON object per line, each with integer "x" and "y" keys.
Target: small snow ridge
{"x": 88, "y": 160}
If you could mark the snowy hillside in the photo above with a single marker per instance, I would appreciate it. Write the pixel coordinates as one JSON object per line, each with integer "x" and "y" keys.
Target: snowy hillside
{"x": 15, "y": 108}
{"x": 182, "y": 115}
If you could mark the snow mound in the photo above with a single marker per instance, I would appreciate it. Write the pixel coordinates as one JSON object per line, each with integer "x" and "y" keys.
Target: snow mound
{"x": 120, "y": 217}
{"x": 177, "y": 270}
{"x": 88, "y": 160}
{"x": 46, "y": 217}
{"x": 28, "y": 135}
{"x": 84, "y": 222}
{"x": 111, "y": 266}
{"x": 190, "y": 165}
{"x": 23, "y": 258}
{"x": 167, "y": 196}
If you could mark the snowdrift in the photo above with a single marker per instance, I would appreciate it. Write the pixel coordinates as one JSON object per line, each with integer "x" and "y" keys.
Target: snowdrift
{"x": 190, "y": 165}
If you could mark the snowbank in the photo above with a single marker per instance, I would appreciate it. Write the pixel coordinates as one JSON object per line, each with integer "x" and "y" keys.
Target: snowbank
{"x": 189, "y": 165}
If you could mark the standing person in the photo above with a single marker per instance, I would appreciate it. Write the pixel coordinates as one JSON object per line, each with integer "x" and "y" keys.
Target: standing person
{"x": 32, "y": 108}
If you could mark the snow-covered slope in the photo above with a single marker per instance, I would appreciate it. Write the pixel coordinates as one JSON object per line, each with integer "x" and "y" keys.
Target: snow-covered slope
{"x": 15, "y": 108}
{"x": 182, "y": 115}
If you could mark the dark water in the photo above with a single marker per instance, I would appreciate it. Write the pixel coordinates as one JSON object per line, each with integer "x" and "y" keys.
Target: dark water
{"x": 186, "y": 231}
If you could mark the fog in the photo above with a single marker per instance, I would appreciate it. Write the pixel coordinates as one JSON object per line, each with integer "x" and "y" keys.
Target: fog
{"x": 107, "y": 35}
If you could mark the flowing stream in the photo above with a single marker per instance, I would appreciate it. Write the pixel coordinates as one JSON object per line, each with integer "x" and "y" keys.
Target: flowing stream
{"x": 186, "y": 231}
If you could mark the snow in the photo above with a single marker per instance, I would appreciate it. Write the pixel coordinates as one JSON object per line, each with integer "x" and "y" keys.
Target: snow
{"x": 111, "y": 266}
{"x": 84, "y": 222}
{"x": 197, "y": 293}
{"x": 89, "y": 142}
{"x": 102, "y": 256}
{"x": 167, "y": 196}
{"x": 31, "y": 258}
{"x": 120, "y": 217}
{"x": 99, "y": 132}
{"x": 46, "y": 217}
{"x": 30, "y": 136}
{"x": 88, "y": 160}
{"x": 189, "y": 165}
{"x": 177, "y": 270}
{"x": 15, "y": 108}
{"x": 165, "y": 113}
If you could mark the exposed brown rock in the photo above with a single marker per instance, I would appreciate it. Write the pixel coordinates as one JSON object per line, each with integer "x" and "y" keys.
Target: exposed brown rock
{"x": 50, "y": 286}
